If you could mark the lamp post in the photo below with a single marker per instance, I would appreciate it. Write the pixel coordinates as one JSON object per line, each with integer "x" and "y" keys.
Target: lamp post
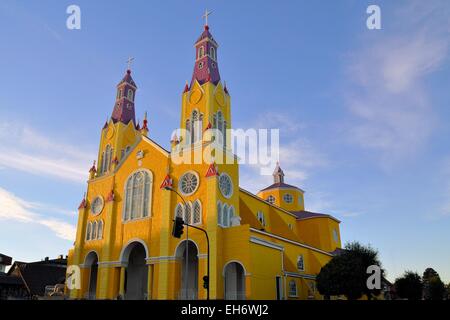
{"x": 187, "y": 238}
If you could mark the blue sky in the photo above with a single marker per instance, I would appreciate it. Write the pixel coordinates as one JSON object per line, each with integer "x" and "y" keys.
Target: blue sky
{"x": 363, "y": 113}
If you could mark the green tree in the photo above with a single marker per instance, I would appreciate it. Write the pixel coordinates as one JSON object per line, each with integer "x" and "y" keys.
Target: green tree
{"x": 409, "y": 286}
{"x": 437, "y": 289}
{"x": 346, "y": 273}
{"x": 433, "y": 287}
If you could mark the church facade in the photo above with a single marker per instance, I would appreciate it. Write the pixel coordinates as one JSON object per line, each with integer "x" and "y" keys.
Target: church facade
{"x": 264, "y": 246}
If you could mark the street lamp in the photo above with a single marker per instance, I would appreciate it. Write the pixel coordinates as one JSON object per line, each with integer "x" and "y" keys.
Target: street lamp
{"x": 206, "y": 281}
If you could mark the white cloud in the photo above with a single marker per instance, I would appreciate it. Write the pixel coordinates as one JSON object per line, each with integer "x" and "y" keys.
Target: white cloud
{"x": 24, "y": 149}
{"x": 391, "y": 106}
{"x": 17, "y": 209}
{"x": 298, "y": 156}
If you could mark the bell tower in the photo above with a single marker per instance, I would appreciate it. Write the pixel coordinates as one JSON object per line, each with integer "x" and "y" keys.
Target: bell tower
{"x": 121, "y": 132}
{"x": 205, "y": 101}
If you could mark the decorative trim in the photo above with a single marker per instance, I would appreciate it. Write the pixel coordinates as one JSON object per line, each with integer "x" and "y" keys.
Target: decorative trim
{"x": 266, "y": 243}
{"x": 299, "y": 275}
{"x": 291, "y": 241}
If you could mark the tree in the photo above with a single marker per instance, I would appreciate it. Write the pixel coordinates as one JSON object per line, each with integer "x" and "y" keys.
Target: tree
{"x": 409, "y": 286}
{"x": 433, "y": 287}
{"x": 346, "y": 273}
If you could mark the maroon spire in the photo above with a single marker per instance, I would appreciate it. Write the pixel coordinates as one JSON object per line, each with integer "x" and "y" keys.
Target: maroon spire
{"x": 206, "y": 67}
{"x": 124, "y": 105}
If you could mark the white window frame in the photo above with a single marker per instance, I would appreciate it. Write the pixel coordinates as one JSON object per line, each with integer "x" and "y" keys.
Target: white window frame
{"x": 287, "y": 196}
{"x": 127, "y": 214}
{"x": 261, "y": 218}
{"x": 199, "y": 204}
{"x": 303, "y": 262}
{"x": 271, "y": 199}
{"x": 231, "y": 185}
{"x": 291, "y": 293}
{"x": 196, "y": 188}
{"x": 219, "y": 213}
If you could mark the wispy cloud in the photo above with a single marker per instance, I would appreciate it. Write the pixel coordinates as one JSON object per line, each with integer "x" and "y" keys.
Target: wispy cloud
{"x": 25, "y": 149}
{"x": 321, "y": 202}
{"x": 391, "y": 106}
{"x": 17, "y": 209}
{"x": 298, "y": 156}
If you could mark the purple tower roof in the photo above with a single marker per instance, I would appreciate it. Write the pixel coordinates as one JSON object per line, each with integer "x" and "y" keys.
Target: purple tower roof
{"x": 206, "y": 67}
{"x": 124, "y": 106}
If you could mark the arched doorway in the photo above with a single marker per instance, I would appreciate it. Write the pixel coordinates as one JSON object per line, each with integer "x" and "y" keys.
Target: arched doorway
{"x": 234, "y": 274}
{"x": 187, "y": 255}
{"x": 136, "y": 273}
{"x": 92, "y": 262}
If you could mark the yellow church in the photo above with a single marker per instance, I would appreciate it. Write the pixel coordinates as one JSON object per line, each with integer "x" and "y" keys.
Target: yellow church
{"x": 263, "y": 246}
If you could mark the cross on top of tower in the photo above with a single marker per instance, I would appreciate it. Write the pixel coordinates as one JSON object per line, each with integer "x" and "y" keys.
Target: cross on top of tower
{"x": 206, "y": 15}
{"x": 129, "y": 62}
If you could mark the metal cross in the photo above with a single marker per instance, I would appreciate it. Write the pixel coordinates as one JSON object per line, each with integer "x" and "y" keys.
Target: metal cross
{"x": 129, "y": 61}
{"x": 206, "y": 15}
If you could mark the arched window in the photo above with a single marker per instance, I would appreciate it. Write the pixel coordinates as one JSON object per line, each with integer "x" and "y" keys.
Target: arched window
{"x": 220, "y": 127}
{"x": 201, "y": 52}
{"x": 292, "y": 288}
{"x": 261, "y": 218}
{"x": 179, "y": 211}
{"x": 107, "y": 158}
{"x": 197, "y": 212}
{"x": 196, "y": 126}
{"x": 100, "y": 230}
{"x": 188, "y": 131}
{"x": 188, "y": 213}
{"x": 94, "y": 230}
{"x": 130, "y": 94}
{"x": 138, "y": 196}
{"x": 88, "y": 231}
{"x": 230, "y": 215}
{"x": 225, "y": 221}
{"x": 212, "y": 53}
{"x": 219, "y": 213}
{"x": 300, "y": 263}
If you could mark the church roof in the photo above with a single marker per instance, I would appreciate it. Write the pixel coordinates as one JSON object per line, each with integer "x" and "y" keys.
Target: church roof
{"x": 206, "y": 35}
{"x": 301, "y": 215}
{"x": 281, "y": 185}
{"x": 128, "y": 79}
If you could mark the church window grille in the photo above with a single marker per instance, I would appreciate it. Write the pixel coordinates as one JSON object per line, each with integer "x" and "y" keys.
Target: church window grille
{"x": 197, "y": 212}
{"x": 179, "y": 212}
{"x": 292, "y": 288}
{"x": 288, "y": 198}
{"x": 100, "y": 230}
{"x": 300, "y": 263}
{"x": 88, "y": 231}
{"x": 94, "y": 231}
{"x": 219, "y": 213}
{"x": 138, "y": 196}
{"x": 188, "y": 183}
{"x": 225, "y": 185}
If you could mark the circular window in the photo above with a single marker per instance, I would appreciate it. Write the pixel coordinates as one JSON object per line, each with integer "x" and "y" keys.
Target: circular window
{"x": 271, "y": 199}
{"x": 288, "y": 198}
{"x": 97, "y": 205}
{"x": 225, "y": 185}
{"x": 188, "y": 183}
